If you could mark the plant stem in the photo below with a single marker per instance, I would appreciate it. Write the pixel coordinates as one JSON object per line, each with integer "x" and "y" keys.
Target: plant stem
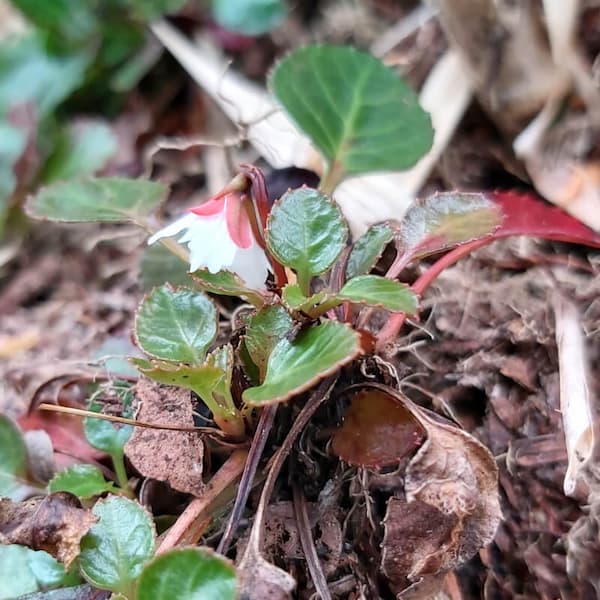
{"x": 188, "y": 527}
{"x": 331, "y": 179}
{"x": 392, "y": 328}
{"x": 118, "y": 461}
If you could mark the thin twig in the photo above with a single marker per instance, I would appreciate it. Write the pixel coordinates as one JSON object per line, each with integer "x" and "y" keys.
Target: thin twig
{"x": 188, "y": 527}
{"x": 308, "y": 544}
{"x": 257, "y": 447}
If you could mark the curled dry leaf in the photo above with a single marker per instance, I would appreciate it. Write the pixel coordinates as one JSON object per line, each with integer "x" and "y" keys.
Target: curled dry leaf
{"x": 175, "y": 457}
{"x": 260, "y": 580}
{"x": 55, "y": 523}
{"x": 451, "y": 507}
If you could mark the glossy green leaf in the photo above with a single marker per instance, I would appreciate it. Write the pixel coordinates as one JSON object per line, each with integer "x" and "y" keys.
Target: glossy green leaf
{"x": 83, "y": 149}
{"x": 295, "y": 366}
{"x": 379, "y": 291}
{"x": 81, "y": 480}
{"x": 176, "y": 324}
{"x": 249, "y": 17}
{"x": 159, "y": 266}
{"x": 24, "y": 571}
{"x": 264, "y": 330}
{"x": 211, "y": 380}
{"x": 116, "y": 548}
{"x": 188, "y": 574}
{"x": 226, "y": 283}
{"x": 306, "y": 231}
{"x": 357, "y": 111}
{"x": 13, "y": 460}
{"x": 107, "y": 199}
{"x": 367, "y": 250}
{"x": 104, "y": 435}
{"x": 446, "y": 219}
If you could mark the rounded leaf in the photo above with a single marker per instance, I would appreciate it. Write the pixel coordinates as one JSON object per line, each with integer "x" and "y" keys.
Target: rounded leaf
{"x": 13, "y": 466}
{"x": 306, "y": 231}
{"x": 188, "y": 574}
{"x": 82, "y": 480}
{"x": 116, "y": 548}
{"x": 176, "y": 324}
{"x": 356, "y": 110}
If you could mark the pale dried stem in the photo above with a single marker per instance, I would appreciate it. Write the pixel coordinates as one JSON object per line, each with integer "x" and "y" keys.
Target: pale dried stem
{"x": 575, "y": 401}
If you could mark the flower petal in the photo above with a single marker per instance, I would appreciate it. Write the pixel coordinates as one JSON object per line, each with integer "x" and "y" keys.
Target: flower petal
{"x": 238, "y": 222}
{"x": 174, "y": 228}
{"x": 252, "y": 266}
{"x": 210, "y": 208}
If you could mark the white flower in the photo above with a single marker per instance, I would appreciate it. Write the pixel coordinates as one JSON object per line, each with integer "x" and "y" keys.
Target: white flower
{"x": 219, "y": 236}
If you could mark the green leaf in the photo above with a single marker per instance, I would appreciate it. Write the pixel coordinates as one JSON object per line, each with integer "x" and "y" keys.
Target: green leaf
{"x": 249, "y": 17}
{"x": 13, "y": 463}
{"x": 264, "y": 330}
{"x": 24, "y": 571}
{"x": 211, "y": 381}
{"x": 367, "y": 250}
{"x": 306, "y": 231}
{"x": 295, "y": 366}
{"x": 446, "y": 219}
{"x": 379, "y": 291}
{"x": 103, "y": 435}
{"x": 188, "y": 574}
{"x": 16, "y": 576}
{"x": 116, "y": 548}
{"x": 294, "y": 299}
{"x": 12, "y": 145}
{"x": 28, "y": 74}
{"x": 356, "y": 110}
{"x": 226, "y": 283}
{"x": 82, "y": 480}
{"x": 176, "y": 324}
{"x": 83, "y": 149}
{"x": 159, "y": 265}
{"x": 108, "y": 200}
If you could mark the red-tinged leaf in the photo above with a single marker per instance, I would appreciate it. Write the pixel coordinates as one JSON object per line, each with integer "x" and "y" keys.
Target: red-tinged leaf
{"x": 377, "y": 431}
{"x": 524, "y": 214}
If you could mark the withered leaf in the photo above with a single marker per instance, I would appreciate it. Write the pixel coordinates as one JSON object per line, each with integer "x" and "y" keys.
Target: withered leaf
{"x": 452, "y": 505}
{"x": 175, "y": 457}
{"x": 260, "y": 580}
{"x": 55, "y": 523}
{"x": 378, "y": 430}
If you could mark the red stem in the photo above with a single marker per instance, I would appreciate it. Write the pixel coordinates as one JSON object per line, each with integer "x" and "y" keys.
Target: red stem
{"x": 392, "y": 328}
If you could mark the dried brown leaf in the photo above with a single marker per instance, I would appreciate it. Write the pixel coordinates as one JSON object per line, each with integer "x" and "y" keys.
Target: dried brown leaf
{"x": 175, "y": 457}
{"x": 260, "y": 580}
{"x": 55, "y": 523}
{"x": 452, "y": 505}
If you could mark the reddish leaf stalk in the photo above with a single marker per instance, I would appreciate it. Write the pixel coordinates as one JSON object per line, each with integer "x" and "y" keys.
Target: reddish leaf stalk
{"x": 261, "y": 209}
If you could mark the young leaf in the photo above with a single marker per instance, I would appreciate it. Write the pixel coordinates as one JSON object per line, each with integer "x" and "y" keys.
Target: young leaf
{"x": 446, "y": 219}
{"x": 188, "y": 574}
{"x": 357, "y": 111}
{"x": 379, "y": 291}
{"x": 116, "y": 548}
{"x": 176, "y": 324}
{"x": 265, "y": 329}
{"x": 293, "y": 367}
{"x": 306, "y": 231}
{"x": 294, "y": 299}
{"x": 226, "y": 283}
{"x": 49, "y": 573}
{"x": 367, "y": 250}
{"x": 13, "y": 466}
{"x": 81, "y": 480}
{"x": 107, "y": 200}
{"x": 248, "y": 17}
